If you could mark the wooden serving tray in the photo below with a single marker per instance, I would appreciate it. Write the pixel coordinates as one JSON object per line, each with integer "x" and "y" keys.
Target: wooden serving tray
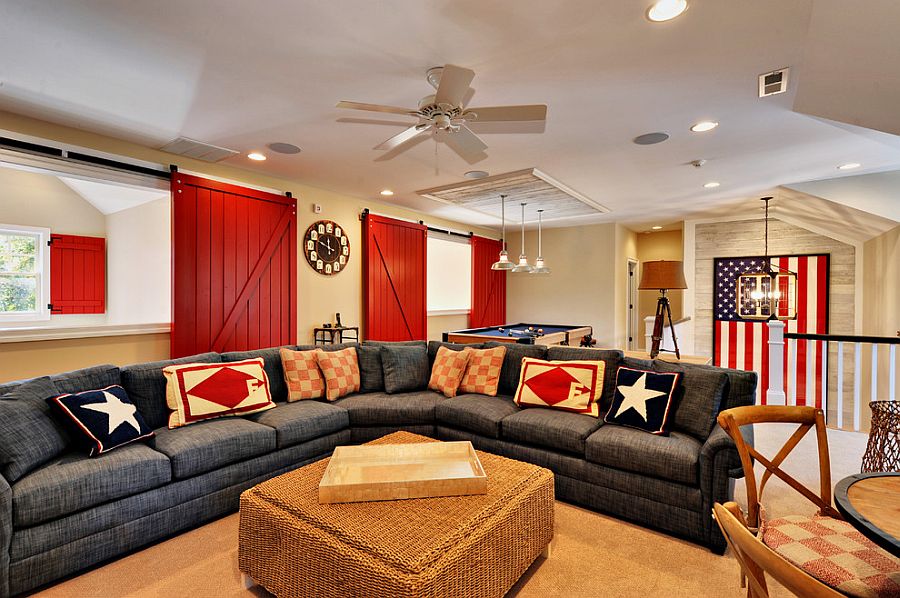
{"x": 398, "y": 471}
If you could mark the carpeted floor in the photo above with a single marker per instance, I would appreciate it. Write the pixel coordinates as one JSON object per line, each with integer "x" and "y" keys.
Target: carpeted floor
{"x": 593, "y": 554}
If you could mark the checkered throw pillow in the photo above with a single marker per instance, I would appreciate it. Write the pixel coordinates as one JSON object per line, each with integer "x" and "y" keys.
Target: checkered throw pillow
{"x": 448, "y": 369}
{"x": 302, "y": 375}
{"x": 835, "y": 553}
{"x": 483, "y": 371}
{"x": 341, "y": 372}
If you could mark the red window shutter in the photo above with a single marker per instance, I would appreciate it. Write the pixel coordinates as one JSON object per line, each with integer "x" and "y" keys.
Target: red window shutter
{"x": 488, "y": 286}
{"x": 394, "y": 279}
{"x": 77, "y": 274}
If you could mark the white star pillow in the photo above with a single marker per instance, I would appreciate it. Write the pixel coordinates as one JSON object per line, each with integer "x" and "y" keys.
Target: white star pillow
{"x": 643, "y": 399}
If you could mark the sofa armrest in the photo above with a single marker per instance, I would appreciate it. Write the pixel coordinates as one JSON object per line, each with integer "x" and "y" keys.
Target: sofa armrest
{"x": 6, "y": 531}
{"x": 720, "y": 445}
{"x": 720, "y": 464}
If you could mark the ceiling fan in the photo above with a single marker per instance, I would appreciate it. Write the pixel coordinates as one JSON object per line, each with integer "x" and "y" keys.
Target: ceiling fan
{"x": 445, "y": 112}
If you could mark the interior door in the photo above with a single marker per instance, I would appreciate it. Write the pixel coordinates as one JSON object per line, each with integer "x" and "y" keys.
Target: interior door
{"x": 234, "y": 269}
{"x": 488, "y": 286}
{"x": 394, "y": 279}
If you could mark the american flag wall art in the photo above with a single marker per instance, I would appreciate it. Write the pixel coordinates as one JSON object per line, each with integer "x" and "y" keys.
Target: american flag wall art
{"x": 743, "y": 344}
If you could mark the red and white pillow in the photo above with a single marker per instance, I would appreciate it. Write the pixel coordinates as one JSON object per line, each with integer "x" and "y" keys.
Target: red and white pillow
{"x": 340, "y": 370}
{"x": 302, "y": 375}
{"x": 200, "y": 391}
{"x": 566, "y": 385}
{"x": 483, "y": 371}
{"x": 448, "y": 369}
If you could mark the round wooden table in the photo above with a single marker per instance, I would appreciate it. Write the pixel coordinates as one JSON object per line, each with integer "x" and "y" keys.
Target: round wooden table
{"x": 871, "y": 503}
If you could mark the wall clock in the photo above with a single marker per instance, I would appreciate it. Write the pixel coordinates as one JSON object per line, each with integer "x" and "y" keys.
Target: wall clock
{"x": 327, "y": 247}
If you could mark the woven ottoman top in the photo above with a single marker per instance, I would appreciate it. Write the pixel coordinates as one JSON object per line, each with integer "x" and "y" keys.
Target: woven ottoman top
{"x": 408, "y": 535}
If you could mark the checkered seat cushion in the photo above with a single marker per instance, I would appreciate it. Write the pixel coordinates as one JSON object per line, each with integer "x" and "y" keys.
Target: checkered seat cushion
{"x": 835, "y": 553}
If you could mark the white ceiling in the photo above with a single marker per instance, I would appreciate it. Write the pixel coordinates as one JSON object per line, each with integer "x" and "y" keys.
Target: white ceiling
{"x": 108, "y": 198}
{"x": 241, "y": 75}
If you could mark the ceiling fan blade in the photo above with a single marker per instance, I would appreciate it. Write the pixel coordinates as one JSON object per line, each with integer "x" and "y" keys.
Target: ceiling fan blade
{"x": 376, "y": 108}
{"x": 400, "y": 138}
{"x": 454, "y": 85}
{"x": 465, "y": 143}
{"x": 506, "y": 113}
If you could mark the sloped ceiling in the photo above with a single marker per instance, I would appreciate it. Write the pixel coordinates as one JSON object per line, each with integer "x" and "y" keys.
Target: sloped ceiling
{"x": 877, "y": 193}
{"x": 109, "y": 199}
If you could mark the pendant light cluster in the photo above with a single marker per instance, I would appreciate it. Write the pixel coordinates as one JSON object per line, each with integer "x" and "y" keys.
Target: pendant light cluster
{"x": 523, "y": 266}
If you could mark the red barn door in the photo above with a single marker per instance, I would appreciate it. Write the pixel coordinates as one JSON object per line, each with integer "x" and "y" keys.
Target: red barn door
{"x": 234, "y": 267}
{"x": 488, "y": 286}
{"x": 394, "y": 279}
{"x": 77, "y": 274}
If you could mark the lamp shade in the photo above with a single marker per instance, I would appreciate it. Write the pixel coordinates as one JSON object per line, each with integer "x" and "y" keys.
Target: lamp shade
{"x": 662, "y": 274}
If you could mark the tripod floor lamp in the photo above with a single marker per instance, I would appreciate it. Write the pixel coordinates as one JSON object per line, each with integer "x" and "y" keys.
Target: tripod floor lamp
{"x": 663, "y": 275}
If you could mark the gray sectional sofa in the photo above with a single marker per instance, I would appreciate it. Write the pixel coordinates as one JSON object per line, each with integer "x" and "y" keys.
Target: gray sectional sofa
{"x": 75, "y": 511}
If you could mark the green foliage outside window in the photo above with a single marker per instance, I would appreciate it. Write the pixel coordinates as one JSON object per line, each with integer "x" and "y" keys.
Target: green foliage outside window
{"x": 18, "y": 279}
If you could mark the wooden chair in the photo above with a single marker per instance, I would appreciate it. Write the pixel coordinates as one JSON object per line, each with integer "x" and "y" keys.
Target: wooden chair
{"x": 756, "y": 559}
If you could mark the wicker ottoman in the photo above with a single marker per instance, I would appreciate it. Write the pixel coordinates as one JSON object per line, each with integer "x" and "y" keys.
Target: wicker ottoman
{"x": 453, "y": 546}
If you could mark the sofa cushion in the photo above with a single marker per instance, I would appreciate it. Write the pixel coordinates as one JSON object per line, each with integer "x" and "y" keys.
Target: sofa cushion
{"x": 698, "y": 397}
{"x": 30, "y": 436}
{"x": 512, "y": 363}
{"x": 550, "y": 428}
{"x": 610, "y": 357}
{"x": 371, "y": 375}
{"x": 382, "y": 409}
{"x": 271, "y": 363}
{"x": 434, "y": 347}
{"x": 208, "y": 445}
{"x": 405, "y": 368}
{"x": 101, "y": 420}
{"x": 674, "y": 457}
{"x": 476, "y": 413}
{"x": 340, "y": 370}
{"x": 99, "y": 376}
{"x": 302, "y": 375}
{"x": 146, "y": 386}
{"x": 73, "y": 482}
{"x": 482, "y": 375}
{"x": 301, "y": 421}
{"x": 644, "y": 399}
{"x": 564, "y": 385}
{"x": 447, "y": 370}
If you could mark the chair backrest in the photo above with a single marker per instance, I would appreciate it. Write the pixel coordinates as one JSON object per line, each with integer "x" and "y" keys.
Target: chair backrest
{"x": 756, "y": 559}
{"x": 807, "y": 418}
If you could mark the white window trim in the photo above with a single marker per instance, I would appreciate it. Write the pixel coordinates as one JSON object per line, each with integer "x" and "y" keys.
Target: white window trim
{"x": 449, "y": 312}
{"x": 43, "y": 275}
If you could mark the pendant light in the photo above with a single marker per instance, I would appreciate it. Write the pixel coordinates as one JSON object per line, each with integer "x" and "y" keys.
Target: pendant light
{"x": 523, "y": 265}
{"x": 767, "y": 293}
{"x": 539, "y": 267}
{"x": 503, "y": 263}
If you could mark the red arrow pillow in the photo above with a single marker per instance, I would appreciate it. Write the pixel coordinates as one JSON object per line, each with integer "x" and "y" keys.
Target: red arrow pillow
{"x": 199, "y": 391}
{"x": 565, "y": 385}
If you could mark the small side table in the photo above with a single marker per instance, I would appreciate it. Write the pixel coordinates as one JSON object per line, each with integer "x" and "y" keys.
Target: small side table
{"x": 326, "y": 336}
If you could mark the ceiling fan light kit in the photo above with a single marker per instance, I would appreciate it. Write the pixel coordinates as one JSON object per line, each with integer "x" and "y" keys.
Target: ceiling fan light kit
{"x": 503, "y": 263}
{"x": 523, "y": 266}
{"x": 445, "y": 112}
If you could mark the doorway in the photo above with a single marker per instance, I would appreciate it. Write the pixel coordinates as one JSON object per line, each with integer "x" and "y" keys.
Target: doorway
{"x": 631, "y": 317}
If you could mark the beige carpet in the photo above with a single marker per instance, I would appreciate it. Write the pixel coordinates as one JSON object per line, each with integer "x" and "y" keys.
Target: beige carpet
{"x": 593, "y": 554}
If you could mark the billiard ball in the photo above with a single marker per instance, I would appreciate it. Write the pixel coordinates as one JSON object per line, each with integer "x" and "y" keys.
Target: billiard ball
{"x": 531, "y": 329}
{"x": 540, "y": 331}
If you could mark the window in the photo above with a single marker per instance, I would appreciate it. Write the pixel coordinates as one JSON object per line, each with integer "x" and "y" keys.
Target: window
{"x": 449, "y": 274}
{"x": 24, "y": 273}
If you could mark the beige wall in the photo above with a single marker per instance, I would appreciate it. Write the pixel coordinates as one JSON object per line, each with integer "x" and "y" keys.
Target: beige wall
{"x": 318, "y": 297}
{"x": 437, "y": 325}
{"x": 31, "y": 199}
{"x": 582, "y": 287}
{"x": 626, "y": 248}
{"x": 881, "y": 306}
{"x": 661, "y": 245}
{"x": 38, "y": 358}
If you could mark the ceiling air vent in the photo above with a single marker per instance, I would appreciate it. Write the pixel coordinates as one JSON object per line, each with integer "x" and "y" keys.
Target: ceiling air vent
{"x": 773, "y": 83}
{"x": 198, "y": 150}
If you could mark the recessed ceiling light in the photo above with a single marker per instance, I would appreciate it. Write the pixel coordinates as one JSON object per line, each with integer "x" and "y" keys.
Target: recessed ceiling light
{"x": 256, "y": 156}
{"x": 284, "y": 148}
{"x": 476, "y": 174}
{"x": 704, "y": 125}
{"x": 387, "y": 192}
{"x": 651, "y": 138}
{"x": 656, "y": 227}
{"x": 711, "y": 185}
{"x": 849, "y": 166}
{"x": 666, "y": 10}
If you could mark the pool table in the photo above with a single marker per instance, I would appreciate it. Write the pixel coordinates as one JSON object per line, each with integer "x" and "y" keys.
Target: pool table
{"x": 553, "y": 334}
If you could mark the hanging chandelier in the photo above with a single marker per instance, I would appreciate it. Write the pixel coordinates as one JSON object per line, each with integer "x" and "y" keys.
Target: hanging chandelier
{"x": 539, "y": 267}
{"x": 523, "y": 265}
{"x": 770, "y": 292}
{"x": 503, "y": 263}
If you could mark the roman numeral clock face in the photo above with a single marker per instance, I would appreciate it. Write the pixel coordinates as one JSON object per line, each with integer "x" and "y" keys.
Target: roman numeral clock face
{"x": 326, "y": 247}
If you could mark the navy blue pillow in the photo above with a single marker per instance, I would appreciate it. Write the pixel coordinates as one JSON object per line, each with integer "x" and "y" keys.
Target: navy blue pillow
{"x": 643, "y": 399}
{"x": 100, "y": 420}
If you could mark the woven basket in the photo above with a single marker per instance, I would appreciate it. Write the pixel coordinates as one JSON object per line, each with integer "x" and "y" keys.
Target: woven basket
{"x": 883, "y": 450}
